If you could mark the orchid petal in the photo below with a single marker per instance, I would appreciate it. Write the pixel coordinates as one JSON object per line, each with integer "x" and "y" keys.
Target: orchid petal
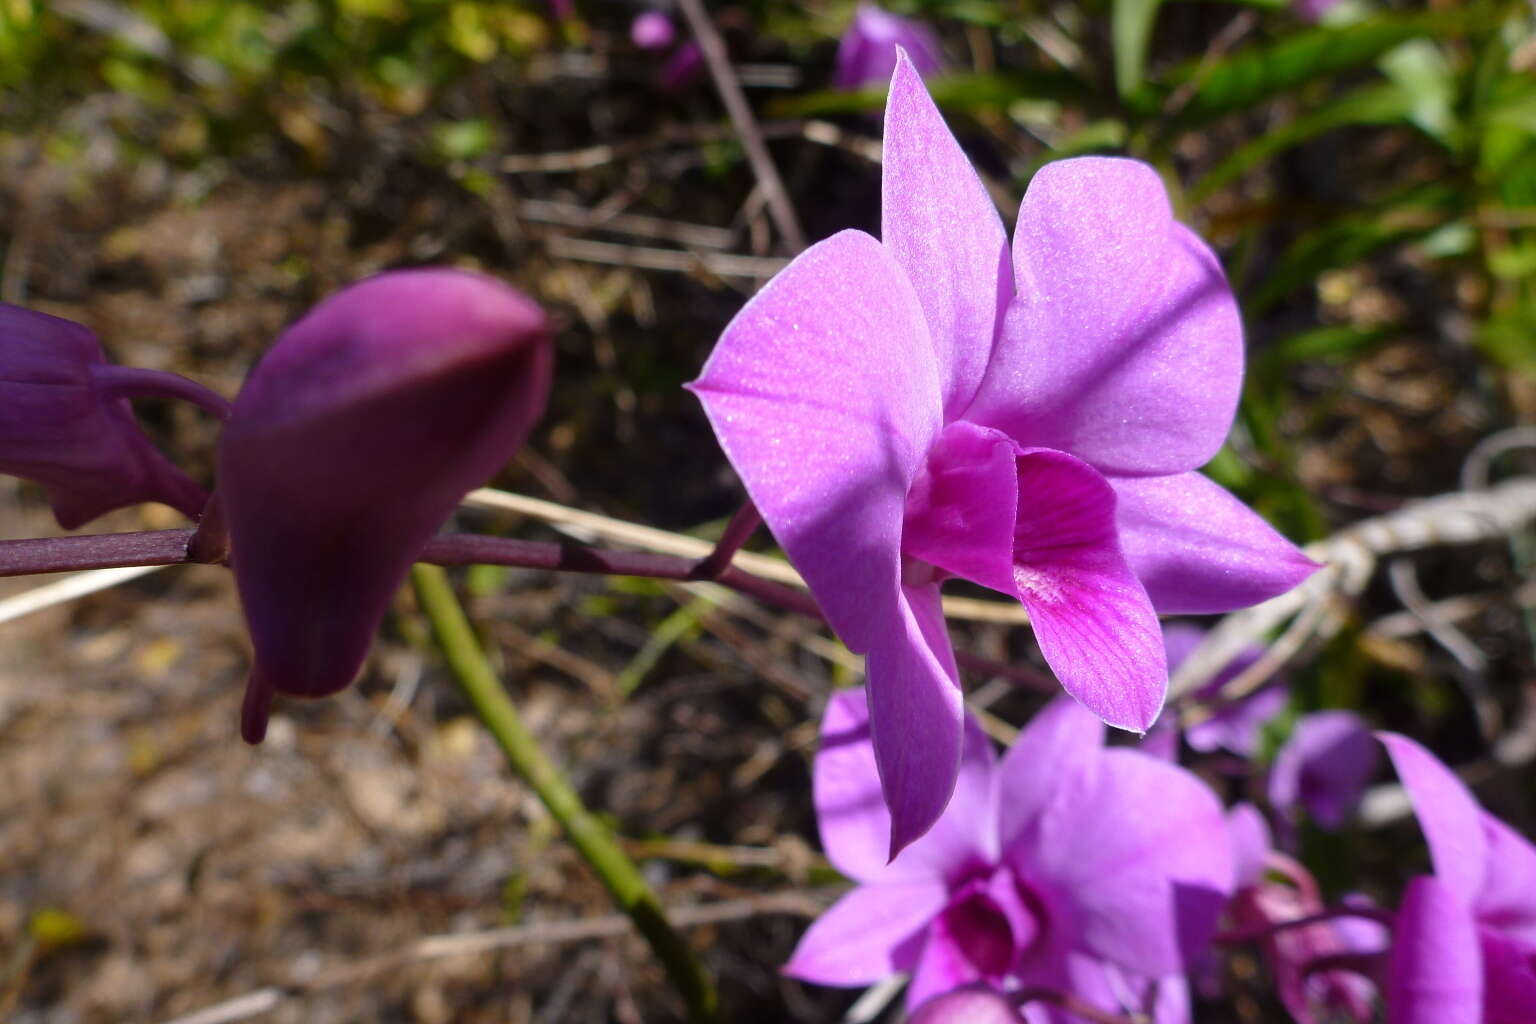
{"x": 973, "y": 1004}
{"x": 872, "y": 932}
{"x": 1090, "y": 614}
{"x": 916, "y": 717}
{"x": 855, "y": 824}
{"x": 1138, "y": 852}
{"x": 1198, "y": 549}
{"x": 824, "y": 395}
{"x": 1448, "y": 814}
{"x": 1251, "y": 843}
{"x": 942, "y": 968}
{"x": 1061, "y": 740}
{"x": 1123, "y": 344}
{"x": 1324, "y": 766}
{"x": 962, "y": 510}
{"x": 1509, "y": 980}
{"x": 1236, "y": 725}
{"x": 1434, "y": 974}
{"x": 1507, "y": 900}
{"x": 942, "y": 227}
{"x": 845, "y": 784}
{"x": 978, "y": 937}
{"x": 873, "y": 42}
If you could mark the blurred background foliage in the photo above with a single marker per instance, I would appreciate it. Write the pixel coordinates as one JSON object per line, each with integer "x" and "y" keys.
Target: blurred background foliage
{"x": 1369, "y": 180}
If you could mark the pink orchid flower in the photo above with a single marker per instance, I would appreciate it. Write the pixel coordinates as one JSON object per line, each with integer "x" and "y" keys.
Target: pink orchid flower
{"x": 924, "y": 406}
{"x": 1090, "y": 878}
{"x": 1464, "y": 949}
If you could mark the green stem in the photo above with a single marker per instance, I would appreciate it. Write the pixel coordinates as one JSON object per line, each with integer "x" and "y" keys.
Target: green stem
{"x": 480, "y": 685}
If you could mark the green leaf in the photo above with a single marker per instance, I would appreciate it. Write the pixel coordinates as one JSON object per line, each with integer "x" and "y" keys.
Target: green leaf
{"x": 1131, "y": 31}
{"x": 1257, "y": 74}
{"x": 1332, "y": 343}
{"x": 1411, "y": 213}
{"x": 1421, "y": 70}
{"x": 1371, "y": 104}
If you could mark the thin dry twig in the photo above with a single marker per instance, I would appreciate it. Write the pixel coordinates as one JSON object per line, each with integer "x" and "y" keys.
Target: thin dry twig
{"x": 1316, "y": 608}
{"x": 644, "y": 257}
{"x": 589, "y": 527}
{"x": 68, "y": 588}
{"x": 729, "y": 87}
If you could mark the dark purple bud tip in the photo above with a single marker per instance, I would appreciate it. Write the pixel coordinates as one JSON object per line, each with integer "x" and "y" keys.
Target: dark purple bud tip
{"x": 255, "y": 709}
{"x": 348, "y": 447}
{"x": 63, "y": 427}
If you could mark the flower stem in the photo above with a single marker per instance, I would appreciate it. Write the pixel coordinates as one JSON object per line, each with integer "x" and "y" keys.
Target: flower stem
{"x": 138, "y": 382}
{"x": 481, "y": 687}
{"x": 742, "y": 525}
{"x": 1239, "y": 936}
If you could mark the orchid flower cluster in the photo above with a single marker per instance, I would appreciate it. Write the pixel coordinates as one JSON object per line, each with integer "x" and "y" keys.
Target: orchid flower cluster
{"x": 938, "y": 403}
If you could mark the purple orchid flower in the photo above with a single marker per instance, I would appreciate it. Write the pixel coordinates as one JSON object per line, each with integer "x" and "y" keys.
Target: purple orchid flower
{"x": 1109, "y": 869}
{"x": 652, "y": 30}
{"x": 1468, "y": 935}
{"x": 866, "y": 54}
{"x": 1260, "y": 904}
{"x": 65, "y": 422}
{"x": 348, "y": 447}
{"x": 907, "y": 410}
{"x": 1324, "y": 767}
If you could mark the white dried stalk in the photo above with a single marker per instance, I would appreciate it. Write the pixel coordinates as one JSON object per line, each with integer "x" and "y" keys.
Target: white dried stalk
{"x": 1349, "y": 559}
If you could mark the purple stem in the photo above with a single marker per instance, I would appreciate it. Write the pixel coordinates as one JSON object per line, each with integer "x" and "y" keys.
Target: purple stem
{"x": 1238, "y": 936}
{"x": 138, "y": 382}
{"x": 171, "y": 547}
{"x": 742, "y": 525}
{"x": 93, "y": 551}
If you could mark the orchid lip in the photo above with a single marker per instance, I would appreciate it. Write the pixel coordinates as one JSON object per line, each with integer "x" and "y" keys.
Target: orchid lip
{"x": 993, "y": 920}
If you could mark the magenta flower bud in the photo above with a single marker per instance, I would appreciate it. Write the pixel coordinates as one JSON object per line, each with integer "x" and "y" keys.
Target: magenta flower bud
{"x": 652, "y": 30}
{"x": 65, "y": 425}
{"x": 866, "y": 55}
{"x": 350, "y": 444}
